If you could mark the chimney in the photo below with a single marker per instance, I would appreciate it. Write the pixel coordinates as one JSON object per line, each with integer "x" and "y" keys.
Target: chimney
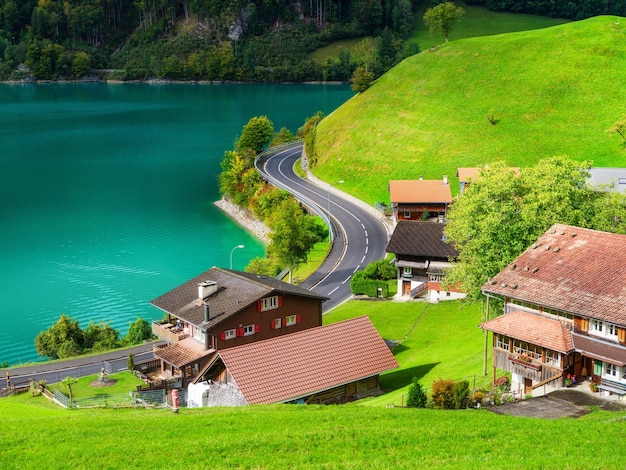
{"x": 207, "y": 314}
{"x": 206, "y": 289}
{"x": 445, "y": 180}
{"x": 421, "y": 177}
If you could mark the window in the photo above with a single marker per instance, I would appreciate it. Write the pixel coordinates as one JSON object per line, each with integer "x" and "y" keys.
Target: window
{"x": 407, "y": 214}
{"x": 276, "y": 324}
{"x": 435, "y": 277}
{"x": 611, "y": 330}
{"x": 611, "y": 370}
{"x": 230, "y": 334}
{"x": 269, "y": 303}
{"x": 292, "y": 320}
{"x": 248, "y": 330}
{"x": 596, "y": 326}
{"x": 600, "y": 328}
{"x": 503, "y": 342}
{"x": 552, "y": 358}
{"x": 407, "y": 272}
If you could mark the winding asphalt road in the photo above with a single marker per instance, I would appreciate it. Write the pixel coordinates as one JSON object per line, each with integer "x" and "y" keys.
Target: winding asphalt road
{"x": 359, "y": 233}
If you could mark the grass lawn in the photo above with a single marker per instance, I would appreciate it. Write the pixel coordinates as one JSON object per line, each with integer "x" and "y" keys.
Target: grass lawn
{"x": 82, "y": 389}
{"x": 553, "y": 91}
{"x": 315, "y": 259}
{"x": 426, "y": 348}
{"x": 332, "y": 50}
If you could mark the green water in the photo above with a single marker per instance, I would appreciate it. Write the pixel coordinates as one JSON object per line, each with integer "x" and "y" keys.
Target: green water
{"x": 107, "y": 195}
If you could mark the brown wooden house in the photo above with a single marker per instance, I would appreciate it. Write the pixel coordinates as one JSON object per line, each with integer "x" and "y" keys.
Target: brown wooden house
{"x": 221, "y": 309}
{"x": 419, "y": 199}
{"x": 422, "y": 258}
{"x": 335, "y": 363}
{"x": 564, "y": 312}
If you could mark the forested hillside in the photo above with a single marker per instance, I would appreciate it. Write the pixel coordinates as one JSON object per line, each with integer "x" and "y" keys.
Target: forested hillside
{"x": 197, "y": 39}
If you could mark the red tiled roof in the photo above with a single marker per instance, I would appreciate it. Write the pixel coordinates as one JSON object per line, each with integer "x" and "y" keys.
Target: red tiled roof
{"x": 419, "y": 191}
{"x": 466, "y": 174}
{"x": 292, "y": 366}
{"x": 571, "y": 269}
{"x": 533, "y": 329}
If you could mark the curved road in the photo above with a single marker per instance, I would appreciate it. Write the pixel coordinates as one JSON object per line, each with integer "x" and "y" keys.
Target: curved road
{"x": 359, "y": 233}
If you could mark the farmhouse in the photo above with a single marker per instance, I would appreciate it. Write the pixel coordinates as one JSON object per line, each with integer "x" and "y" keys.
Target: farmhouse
{"x": 221, "y": 309}
{"x": 422, "y": 257}
{"x": 564, "y": 312}
{"x": 419, "y": 199}
{"x": 329, "y": 364}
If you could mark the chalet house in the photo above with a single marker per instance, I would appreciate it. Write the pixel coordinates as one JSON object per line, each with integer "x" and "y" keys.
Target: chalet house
{"x": 422, "y": 257}
{"x": 466, "y": 175}
{"x": 564, "y": 312}
{"x": 221, "y": 309}
{"x": 329, "y": 364}
{"x": 419, "y": 199}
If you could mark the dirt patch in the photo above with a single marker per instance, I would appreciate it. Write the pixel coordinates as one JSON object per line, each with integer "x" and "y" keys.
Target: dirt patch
{"x": 559, "y": 404}
{"x": 102, "y": 382}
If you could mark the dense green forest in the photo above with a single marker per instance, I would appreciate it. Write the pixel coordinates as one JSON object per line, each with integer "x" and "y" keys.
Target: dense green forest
{"x": 243, "y": 40}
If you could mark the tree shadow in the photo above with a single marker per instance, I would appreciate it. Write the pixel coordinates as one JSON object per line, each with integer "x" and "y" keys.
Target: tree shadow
{"x": 401, "y": 378}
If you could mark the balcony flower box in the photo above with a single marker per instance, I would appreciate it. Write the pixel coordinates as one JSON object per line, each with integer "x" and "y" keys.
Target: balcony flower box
{"x": 525, "y": 362}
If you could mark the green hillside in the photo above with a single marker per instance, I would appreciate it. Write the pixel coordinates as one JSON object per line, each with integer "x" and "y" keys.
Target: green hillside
{"x": 552, "y": 91}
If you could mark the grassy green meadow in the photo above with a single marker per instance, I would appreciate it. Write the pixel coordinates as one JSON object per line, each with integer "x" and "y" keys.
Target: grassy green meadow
{"x": 552, "y": 91}
{"x": 435, "y": 341}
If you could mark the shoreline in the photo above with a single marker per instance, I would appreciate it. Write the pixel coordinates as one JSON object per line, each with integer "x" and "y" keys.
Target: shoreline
{"x": 245, "y": 219}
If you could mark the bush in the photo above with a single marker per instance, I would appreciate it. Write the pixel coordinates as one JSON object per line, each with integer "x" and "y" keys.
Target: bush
{"x": 416, "y": 397}
{"x": 443, "y": 394}
{"x": 477, "y": 397}
{"x": 361, "y": 285}
{"x": 461, "y": 394}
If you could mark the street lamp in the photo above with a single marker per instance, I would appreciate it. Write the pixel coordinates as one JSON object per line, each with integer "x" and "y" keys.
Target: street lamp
{"x": 330, "y": 230}
{"x": 231, "y": 254}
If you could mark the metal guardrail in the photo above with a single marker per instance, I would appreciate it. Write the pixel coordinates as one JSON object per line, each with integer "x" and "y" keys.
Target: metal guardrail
{"x": 319, "y": 210}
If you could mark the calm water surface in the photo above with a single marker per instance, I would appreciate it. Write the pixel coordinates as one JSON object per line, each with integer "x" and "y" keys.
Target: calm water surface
{"x": 107, "y": 195}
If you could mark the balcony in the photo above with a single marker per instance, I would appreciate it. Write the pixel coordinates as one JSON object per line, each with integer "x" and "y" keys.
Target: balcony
{"x": 168, "y": 332}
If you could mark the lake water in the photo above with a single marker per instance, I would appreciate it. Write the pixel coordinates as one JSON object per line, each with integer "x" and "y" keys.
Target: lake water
{"x": 107, "y": 191}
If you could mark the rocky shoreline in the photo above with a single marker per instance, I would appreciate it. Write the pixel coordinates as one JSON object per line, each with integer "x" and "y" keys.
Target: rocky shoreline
{"x": 245, "y": 219}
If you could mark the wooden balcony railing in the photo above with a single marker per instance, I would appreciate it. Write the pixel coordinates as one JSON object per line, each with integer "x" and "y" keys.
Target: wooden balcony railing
{"x": 168, "y": 332}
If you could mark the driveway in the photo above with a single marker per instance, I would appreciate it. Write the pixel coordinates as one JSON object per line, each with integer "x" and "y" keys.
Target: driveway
{"x": 559, "y": 404}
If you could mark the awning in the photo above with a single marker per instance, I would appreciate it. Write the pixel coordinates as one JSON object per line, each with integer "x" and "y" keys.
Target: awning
{"x": 600, "y": 350}
{"x": 412, "y": 264}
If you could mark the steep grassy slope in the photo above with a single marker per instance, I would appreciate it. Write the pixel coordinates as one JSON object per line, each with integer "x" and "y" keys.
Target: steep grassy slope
{"x": 553, "y": 91}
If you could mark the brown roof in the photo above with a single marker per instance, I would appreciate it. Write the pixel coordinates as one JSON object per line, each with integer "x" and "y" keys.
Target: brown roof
{"x": 300, "y": 364}
{"x": 534, "y": 329}
{"x": 423, "y": 239}
{"x": 571, "y": 269}
{"x": 179, "y": 355}
{"x": 601, "y": 350}
{"x": 419, "y": 191}
{"x": 466, "y": 174}
{"x": 235, "y": 291}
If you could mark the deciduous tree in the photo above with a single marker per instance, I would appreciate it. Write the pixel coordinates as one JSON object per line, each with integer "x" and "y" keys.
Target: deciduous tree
{"x": 443, "y": 17}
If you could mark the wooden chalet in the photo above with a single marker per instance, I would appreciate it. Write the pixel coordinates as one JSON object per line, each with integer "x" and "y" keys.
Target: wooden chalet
{"x": 564, "y": 312}
{"x": 419, "y": 199}
{"x": 221, "y": 309}
{"x": 329, "y": 364}
{"x": 422, "y": 257}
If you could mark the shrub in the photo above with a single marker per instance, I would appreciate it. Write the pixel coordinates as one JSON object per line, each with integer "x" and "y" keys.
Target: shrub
{"x": 478, "y": 396}
{"x": 461, "y": 394}
{"x": 443, "y": 394}
{"x": 361, "y": 285}
{"x": 416, "y": 397}
{"x": 502, "y": 383}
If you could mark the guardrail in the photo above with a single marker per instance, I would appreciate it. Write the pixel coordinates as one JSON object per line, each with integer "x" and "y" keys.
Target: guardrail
{"x": 319, "y": 210}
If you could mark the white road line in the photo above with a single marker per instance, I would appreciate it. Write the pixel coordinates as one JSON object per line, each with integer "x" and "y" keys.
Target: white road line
{"x": 366, "y": 235}
{"x": 333, "y": 291}
{"x": 363, "y": 259}
{"x": 366, "y": 248}
{"x": 362, "y": 226}
{"x": 346, "y": 280}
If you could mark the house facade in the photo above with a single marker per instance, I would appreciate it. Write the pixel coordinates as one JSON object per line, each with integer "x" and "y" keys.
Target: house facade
{"x": 422, "y": 257}
{"x": 221, "y": 309}
{"x": 335, "y": 363}
{"x": 564, "y": 312}
{"x": 419, "y": 199}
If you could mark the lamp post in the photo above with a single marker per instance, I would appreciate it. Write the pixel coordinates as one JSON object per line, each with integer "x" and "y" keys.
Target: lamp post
{"x": 330, "y": 230}
{"x": 231, "y": 254}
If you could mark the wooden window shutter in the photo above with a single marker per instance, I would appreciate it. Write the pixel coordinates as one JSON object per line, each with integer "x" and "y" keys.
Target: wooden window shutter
{"x": 597, "y": 367}
{"x": 259, "y": 305}
{"x": 257, "y": 328}
{"x": 280, "y": 300}
{"x": 239, "y": 331}
{"x": 297, "y": 318}
{"x": 584, "y": 325}
{"x": 273, "y": 324}
{"x": 223, "y": 335}
{"x": 621, "y": 335}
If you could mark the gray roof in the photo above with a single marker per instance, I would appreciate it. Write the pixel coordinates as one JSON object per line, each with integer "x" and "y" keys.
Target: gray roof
{"x": 236, "y": 290}
{"x": 422, "y": 239}
{"x": 615, "y": 177}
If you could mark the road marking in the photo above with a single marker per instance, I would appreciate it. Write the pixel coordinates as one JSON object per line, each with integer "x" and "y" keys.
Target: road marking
{"x": 366, "y": 234}
{"x": 366, "y": 248}
{"x": 362, "y": 226}
{"x": 333, "y": 291}
{"x": 346, "y": 280}
{"x": 363, "y": 259}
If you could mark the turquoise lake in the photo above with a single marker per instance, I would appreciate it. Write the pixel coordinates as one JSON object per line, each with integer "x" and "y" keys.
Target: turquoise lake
{"x": 107, "y": 195}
